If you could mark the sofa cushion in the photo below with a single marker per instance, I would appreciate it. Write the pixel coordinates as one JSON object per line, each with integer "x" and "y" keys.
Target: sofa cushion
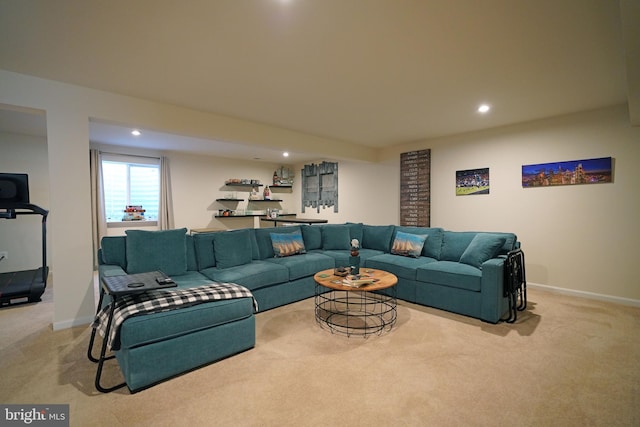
{"x": 355, "y": 230}
{"x": 454, "y": 243}
{"x": 377, "y": 237}
{"x": 452, "y": 274}
{"x": 254, "y": 275}
{"x": 164, "y": 250}
{"x": 255, "y": 250}
{"x": 203, "y": 243}
{"x": 287, "y": 244}
{"x": 483, "y": 247}
{"x": 149, "y": 328}
{"x": 191, "y": 279}
{"x": 312, "y": 235}
{"x": 408, "y": 244}
{"x": 402, "y": 266}
{"x": 114, "y": 250}
{"x": 232, "y": 248}
{"x": 336, "y": 236}
{"x": 433, "y": 245}
{"x": 304, "y": 265}
{"x": 192, "y": 262}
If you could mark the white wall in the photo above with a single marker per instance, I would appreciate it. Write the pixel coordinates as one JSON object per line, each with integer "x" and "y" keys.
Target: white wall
{"x": 581, "y": 237}
{"x": 22, "y": 236}
{"x": 367, "y": 192}
{"x": 197, "y": 181}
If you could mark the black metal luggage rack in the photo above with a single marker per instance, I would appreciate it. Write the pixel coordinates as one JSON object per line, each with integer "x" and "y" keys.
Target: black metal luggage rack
{"x": 515, "y": 284}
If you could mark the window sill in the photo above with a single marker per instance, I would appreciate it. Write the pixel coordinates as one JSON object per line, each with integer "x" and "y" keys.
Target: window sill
{"x": 131, "y": 224}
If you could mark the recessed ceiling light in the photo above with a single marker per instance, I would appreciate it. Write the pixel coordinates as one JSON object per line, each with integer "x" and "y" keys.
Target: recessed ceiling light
{"x": 135, "y": 132}
{"x": 286, "y": 154}
{"x": 484, "y": 108}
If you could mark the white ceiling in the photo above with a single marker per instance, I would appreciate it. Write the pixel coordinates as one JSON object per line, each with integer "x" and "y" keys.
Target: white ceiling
{"x": 370, "y": 72}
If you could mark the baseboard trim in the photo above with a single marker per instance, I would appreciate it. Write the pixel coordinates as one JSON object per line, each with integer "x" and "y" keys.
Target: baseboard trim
{"x": 71, "y": 323}
{"x": 585, "y": 294}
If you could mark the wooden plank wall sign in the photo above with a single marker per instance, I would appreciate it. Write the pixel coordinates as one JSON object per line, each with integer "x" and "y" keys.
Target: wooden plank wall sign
{"x": 415, "y": 188}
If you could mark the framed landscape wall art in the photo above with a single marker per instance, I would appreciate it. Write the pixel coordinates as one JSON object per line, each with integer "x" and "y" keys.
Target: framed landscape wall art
{"x": 472, "y": 181}
{"x": 572, "y": 172}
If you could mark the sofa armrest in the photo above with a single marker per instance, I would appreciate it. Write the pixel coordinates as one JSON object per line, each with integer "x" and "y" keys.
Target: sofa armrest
{"x": 492, "y": 290}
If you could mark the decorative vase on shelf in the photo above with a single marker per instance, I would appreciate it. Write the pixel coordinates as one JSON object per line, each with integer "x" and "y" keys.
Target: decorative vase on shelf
{"x": 267, "y": 193}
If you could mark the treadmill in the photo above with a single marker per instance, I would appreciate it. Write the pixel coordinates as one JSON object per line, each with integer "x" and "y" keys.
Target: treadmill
{"x": 14, "y": 202}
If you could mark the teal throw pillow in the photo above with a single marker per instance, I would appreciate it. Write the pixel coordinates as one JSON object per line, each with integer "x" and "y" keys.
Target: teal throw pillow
{"x": 377, "y": 237}
{"x": 287, "y": 244}
{"x": 164, "y": 250}
{"x": 312, "y": 235}
{"x": 336, "y": 237}
{"x": 407, "y": 244}
{"x": 233, "y": 248}
{"x": 483, "y": 247}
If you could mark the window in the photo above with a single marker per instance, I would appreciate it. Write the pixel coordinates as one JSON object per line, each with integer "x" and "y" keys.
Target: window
{"x": 130, "y": 181}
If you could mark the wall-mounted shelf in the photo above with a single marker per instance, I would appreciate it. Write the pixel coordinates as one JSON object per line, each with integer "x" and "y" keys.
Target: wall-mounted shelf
{"x": 253, "y": 190}
{"x": 247, "y": 216}
{"x": 243, "y": 185}
{"x": 280, "y": 186}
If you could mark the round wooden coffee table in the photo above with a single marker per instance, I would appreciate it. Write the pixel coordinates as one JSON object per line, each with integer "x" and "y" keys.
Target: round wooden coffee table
{"x": 365, "y": 310}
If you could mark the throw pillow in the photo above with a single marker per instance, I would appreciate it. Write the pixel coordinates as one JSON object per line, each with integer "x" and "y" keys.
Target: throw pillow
{"x": 336, "y": 237}
{"x": 483, "y": 247}
{"x": 164, "y": 250}
{"x": 407, "y": 244}
{"x": 287, "y": 244}
{"x": 312, "y": 235}
{"x": 377, "y": 237}
{"x": 232, "y": 248}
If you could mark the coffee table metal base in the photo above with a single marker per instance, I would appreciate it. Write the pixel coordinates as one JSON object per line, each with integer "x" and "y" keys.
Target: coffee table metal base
{"x": 356, "y": 312}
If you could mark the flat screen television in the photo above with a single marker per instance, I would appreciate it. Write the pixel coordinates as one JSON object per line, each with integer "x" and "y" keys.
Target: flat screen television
{"x": 14, "y": 188}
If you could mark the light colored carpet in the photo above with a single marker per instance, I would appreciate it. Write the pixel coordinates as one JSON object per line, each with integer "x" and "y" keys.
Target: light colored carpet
{"x": 566, "y": 362}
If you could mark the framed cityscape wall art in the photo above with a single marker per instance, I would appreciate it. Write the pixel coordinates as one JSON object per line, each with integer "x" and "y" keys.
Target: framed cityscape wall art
{"x": 572, "y": 172}
{"x": 472, "y": 181}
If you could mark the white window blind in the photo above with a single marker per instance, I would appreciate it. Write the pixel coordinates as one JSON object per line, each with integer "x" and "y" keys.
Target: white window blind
{"x": 130, "y": 181}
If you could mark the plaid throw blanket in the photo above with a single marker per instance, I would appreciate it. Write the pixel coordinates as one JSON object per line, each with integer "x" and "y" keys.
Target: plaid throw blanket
{"x": 163, "y": 300}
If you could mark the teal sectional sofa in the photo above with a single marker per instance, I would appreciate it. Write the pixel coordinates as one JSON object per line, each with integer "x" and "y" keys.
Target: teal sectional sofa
{"x": 461, "y": 272}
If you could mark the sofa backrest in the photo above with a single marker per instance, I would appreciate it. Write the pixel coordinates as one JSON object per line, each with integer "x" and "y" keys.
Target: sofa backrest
{"x": 113, "y": 251}
{"x": 171, "y": 251}
{"x": 455, "y": 243}
{"x": 175, "y": 252}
